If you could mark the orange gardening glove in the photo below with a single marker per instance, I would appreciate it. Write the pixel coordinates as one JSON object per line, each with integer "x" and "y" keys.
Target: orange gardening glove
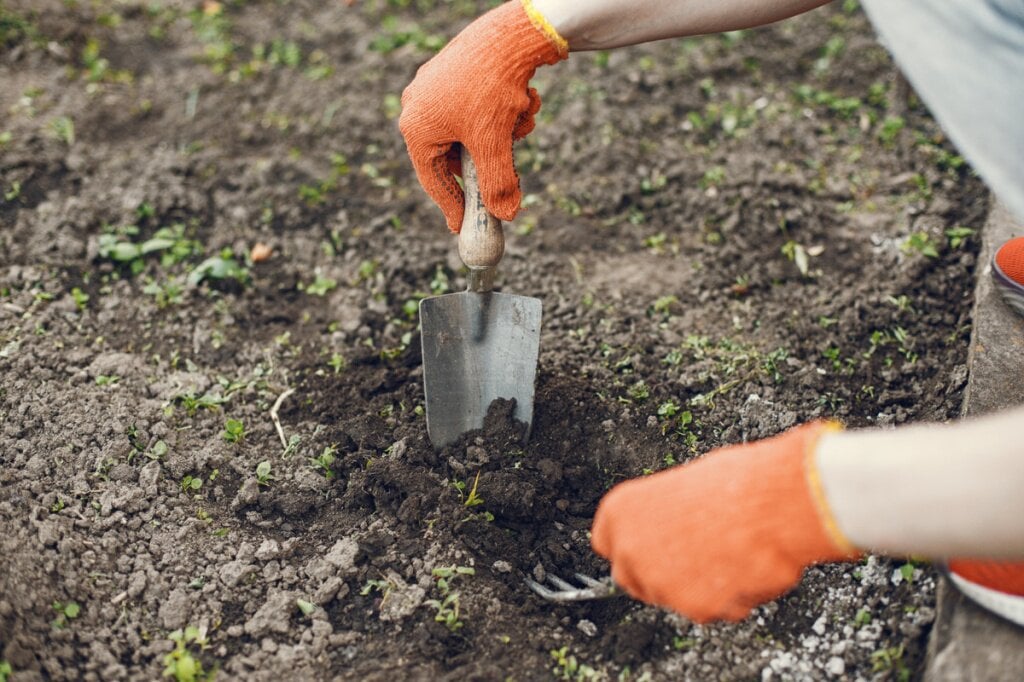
{"x": 714, "y": 538}
{"x": 475, "y": 92}
{"x": 1002, "y": 576}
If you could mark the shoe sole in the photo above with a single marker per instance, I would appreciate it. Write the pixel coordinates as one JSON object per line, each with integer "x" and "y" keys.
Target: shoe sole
{"x": 1008, "y": 606}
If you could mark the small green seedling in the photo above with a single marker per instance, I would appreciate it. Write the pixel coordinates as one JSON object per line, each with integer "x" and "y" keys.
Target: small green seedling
{"x": 263, "y": 474}
{"x": 798, "y": 254}
{"x": 473, "y": 499}
{"x": 447, "y": 611}
{"x": 321, "y": 286}
{"x": 220, "y": 267}
{"x": 191, "y": 483}
{"x": 180, "y": 663}
{"x": 192, "y": 403}
{"x": 957, "y": 236}
{"x": 5, "y": 671}
{"x": 80, "y": 297}
{"x": 922, "y": 243}
{"x": 107, "y": 379}
{"x": 323, "y": 462}
{"x": 337, "y": 362}
{"x": 567, "y": 667}
{"x": 66, "y": 612}
{"x": 158, "y": 451}
{"x": 384, "y": 587}
{"x": 306, "y": 607}
{"x": 447, "y": 608}
{"x": 234, "y": 430}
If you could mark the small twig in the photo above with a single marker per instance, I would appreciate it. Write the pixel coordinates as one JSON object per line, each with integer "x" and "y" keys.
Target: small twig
{"x": 276, "y": 419}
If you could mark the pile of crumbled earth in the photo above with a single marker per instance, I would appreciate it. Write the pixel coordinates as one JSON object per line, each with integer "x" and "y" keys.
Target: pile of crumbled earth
{"x": 730, "y": 235}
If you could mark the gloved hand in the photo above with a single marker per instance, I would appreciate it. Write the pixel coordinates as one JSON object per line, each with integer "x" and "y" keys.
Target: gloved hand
{"x": 475, "y": 92}
{"x": 714, "y": 538}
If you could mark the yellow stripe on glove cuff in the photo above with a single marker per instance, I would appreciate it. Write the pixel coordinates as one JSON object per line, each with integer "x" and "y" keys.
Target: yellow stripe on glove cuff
{"x": 545, "y": 27}
{"x": 837, "y": 536}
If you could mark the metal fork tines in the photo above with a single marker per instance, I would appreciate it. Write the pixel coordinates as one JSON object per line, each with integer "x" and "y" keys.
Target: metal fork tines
{"x": 563, "y": 590}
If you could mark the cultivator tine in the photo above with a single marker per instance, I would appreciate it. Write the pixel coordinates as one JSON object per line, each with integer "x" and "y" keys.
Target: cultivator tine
{"x": 594, "y": 588}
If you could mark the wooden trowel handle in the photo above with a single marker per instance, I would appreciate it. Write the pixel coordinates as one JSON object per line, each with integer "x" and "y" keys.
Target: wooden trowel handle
{"x": 482, "y": 240}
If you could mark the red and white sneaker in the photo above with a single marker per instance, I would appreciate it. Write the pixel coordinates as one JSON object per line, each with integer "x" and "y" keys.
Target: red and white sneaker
{"x": 1008, "y": 272}
{"x": 996, "y": 585}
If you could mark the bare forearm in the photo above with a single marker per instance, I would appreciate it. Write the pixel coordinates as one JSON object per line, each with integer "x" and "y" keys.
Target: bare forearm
{"x": 934, "y": 490}
{"x": 604, "y": 24}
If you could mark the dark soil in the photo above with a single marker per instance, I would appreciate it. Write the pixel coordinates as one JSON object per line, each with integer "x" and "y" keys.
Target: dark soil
{"x": 672, "y": 192}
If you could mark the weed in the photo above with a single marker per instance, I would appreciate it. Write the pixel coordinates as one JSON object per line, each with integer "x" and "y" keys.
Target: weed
{"x": 652, "y": 184}
{"x": 448, "y": 606}
{"x": 922, "y": 243}
{"x": 66, "y": 612}
{"x": 770, "y": 364}
{"x": 681, "y": 643}
{"x": 713, "y": 177}
{"x": 167, "y": 294}
{"x": 656, "y": 242}
{"x": 63, "y": 128}
{"x": 158, "y": 451}
{"x": 890, "y": 659}
{"x": 567, "y": 667}
{"x": 323, "y": 462}
{"x": 639, "y": 391}
{"x": 668, "y": 409}
{"x": 234, "y": 430}
{"x": 170, "y": 243}
{"x": 958, "y": 236}
{"x": 833, "y": 48}
{"x": 796, "y": 253}
{"x": 367, "y": 269}
{"x": 180, "y": 663}
{"x": 306, "y": 607}
{"x": 440, "y": 284}
{"x": 263, "y": 473}
{"x": 663, "y": 305}
{"x": 844, "y": 107}
{"x": 193, "y": 403}
{"x": 890, "y": 130}
{"x": 321, "y": 285}
{"x": 5, "y": 668}
{"x": 393, "y": 38}
{"x": 337, "y": 362}
{"x": 14, "y": 192}
{"x": 191, "y": 483}
{"x": 384, "y": 587}
{"x": 862, "y": 618}
{"x": 473, "y": 499}
{"x": 80, "y": 297}
{"x": 223, "y": 266}
{"x": 107, "y": 379}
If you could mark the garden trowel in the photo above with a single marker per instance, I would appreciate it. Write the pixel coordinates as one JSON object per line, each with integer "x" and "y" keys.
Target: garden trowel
{"x": 478, "y": 345}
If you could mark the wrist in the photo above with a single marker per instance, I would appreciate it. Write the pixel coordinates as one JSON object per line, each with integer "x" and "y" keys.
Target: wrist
{"x": 822, "y": 442}
{"x": 541, "y": 17}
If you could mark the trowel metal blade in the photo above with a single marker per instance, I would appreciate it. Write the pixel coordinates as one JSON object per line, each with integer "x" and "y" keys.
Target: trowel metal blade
{"x": 477, "y": 347}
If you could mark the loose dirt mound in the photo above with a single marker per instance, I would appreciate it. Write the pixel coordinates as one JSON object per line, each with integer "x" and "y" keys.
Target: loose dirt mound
{"x": 730, "y": 235}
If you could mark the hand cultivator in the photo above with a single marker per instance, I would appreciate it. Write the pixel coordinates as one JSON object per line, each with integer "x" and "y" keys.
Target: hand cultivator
{"x": 564, "y": 591}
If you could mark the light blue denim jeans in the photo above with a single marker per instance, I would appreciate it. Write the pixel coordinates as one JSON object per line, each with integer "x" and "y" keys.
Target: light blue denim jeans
{"x": 965, "y": 58}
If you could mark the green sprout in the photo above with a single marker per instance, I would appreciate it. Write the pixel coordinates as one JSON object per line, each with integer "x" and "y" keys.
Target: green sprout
{"x": 180, "y": 663}
{"x": 191, "y": 483}
{"x": 234, "y": 430}
{"x": 263, "y": 474}
{"x": 323, "y": 462}
{"x": 66, "y": 612}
